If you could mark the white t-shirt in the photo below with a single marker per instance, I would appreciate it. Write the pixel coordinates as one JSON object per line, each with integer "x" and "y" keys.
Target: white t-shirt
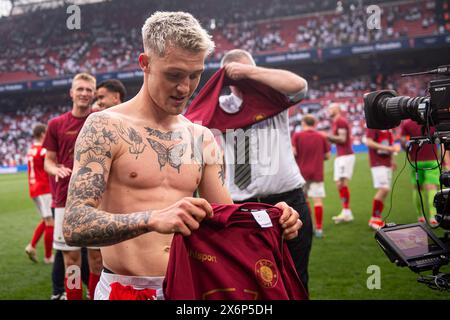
{"x": 273, "y": 166}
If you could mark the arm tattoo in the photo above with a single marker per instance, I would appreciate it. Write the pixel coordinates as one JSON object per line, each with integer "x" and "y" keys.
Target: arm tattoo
{"x": 131, "y": 137}
{"x": 87, "y": 226}
{"x": 222, "y": 173}
{"x": 96, "y": 138}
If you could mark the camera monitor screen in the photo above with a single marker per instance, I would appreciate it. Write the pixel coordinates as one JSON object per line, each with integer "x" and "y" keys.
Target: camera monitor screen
{"x": 413, "y": 242}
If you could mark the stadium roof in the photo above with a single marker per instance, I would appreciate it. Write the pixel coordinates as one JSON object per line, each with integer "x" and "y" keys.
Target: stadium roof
{"x": 15, "y": 7}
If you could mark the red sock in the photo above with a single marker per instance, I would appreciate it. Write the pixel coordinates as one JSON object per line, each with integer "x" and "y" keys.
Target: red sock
{"x": 37, "y": 234}
{"x": 93, "y": 280}
{"x": 377, "y": 208}
{"x": 48, "y": 240}
{"x": 75, "y": 293}
{"x": 318, "y": 213}
{"x": 345, "y": 196}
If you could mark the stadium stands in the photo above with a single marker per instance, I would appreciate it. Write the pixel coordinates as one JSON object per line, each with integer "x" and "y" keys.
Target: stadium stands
{"x": 109, "y": 38}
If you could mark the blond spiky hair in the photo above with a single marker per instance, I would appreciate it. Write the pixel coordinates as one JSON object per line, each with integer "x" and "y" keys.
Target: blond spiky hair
{"x": 178, "y": 29}
{"x": 86, "y": 77}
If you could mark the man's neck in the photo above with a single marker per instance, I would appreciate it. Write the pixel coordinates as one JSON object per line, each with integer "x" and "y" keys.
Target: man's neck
{"x": 148, "y": 110}
{"x": 80, "y": 112}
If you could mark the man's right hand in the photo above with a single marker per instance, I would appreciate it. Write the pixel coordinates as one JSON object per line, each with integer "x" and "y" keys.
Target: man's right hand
{"x": 183, "y": 217}
{"x": 62, "y": 172}
{"x": 238, "y": 71}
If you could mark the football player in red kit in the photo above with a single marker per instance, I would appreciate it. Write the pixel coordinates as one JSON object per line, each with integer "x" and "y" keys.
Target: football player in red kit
{"x": 39, "y": 188}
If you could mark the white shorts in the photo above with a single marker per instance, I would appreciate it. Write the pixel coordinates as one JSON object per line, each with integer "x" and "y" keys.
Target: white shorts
{"x": 44, "y": 205}
{"x": 103, "y": 288}
{"x": 314, "y": 189}
{"x": 59, "y": 243}
{"x": 343, "y": 167}
{"x": 382, "y": 177}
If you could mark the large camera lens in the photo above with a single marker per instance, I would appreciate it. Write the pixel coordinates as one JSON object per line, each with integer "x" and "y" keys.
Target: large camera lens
{"x": 384, "y": 109}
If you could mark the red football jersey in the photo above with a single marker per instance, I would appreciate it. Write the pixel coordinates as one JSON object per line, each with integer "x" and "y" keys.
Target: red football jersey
{"x": 346, "y": 148}
{"x": 62, "y": 133}
{"x": 37, "y": 177}
{"x": 232, "y": 257}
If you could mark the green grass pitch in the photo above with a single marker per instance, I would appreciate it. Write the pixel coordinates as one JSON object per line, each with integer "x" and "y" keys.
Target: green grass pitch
{"x": 338, "y": 263}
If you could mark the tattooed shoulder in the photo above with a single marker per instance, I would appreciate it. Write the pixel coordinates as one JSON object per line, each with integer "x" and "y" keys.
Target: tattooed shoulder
{"x": 131, "y": 137}
{"x": 96, "y": 137}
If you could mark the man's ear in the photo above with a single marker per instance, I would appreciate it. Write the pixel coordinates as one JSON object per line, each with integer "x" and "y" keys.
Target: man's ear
{"x": 117, "y": 97}
{"x": 144, "y": 62}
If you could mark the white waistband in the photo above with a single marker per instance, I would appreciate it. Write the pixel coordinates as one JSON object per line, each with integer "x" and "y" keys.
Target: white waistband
{"x": 103, "y": 289}
{"x": 136, "y": 282}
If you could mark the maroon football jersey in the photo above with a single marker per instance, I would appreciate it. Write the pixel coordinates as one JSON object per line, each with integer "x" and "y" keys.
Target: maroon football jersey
{"x": 311, "y": 149}
{"x": 259, "y": 102}
{"x": 232, "y": 257}
{"x": 62, "y": 133}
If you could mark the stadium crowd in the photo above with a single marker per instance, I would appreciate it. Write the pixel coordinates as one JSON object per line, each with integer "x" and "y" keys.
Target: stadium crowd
{"x": 45, "y": 49}
{"x": 15, "y": 133}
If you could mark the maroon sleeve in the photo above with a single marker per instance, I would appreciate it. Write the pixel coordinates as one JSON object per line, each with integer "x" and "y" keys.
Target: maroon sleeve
{"x": 50, "y": 141}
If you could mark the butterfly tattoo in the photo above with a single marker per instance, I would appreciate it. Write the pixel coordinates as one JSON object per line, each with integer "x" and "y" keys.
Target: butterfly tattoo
{"x": 171, "y": 154}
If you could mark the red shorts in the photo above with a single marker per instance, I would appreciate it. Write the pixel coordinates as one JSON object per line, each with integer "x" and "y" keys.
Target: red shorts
{"x": 121, "y": 292}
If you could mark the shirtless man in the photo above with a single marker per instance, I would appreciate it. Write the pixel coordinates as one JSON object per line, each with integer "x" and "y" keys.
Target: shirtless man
{"x": 137, "y": 164}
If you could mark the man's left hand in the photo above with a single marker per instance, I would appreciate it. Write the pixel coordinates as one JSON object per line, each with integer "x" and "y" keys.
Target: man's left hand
{"x": 289, "y": 221}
